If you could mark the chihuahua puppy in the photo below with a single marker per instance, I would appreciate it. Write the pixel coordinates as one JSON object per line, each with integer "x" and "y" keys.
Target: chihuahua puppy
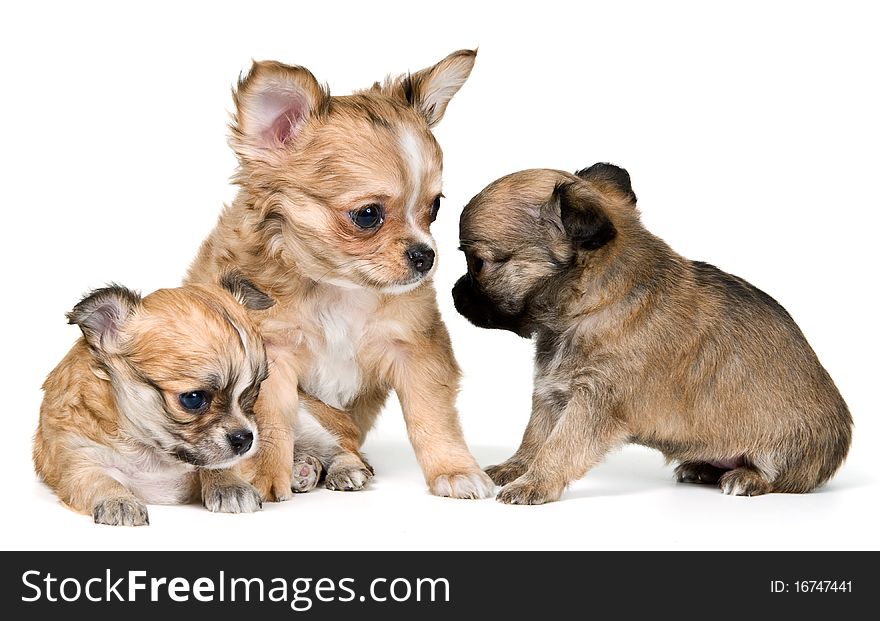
{"x": 332, "y": 220}
{"x": 635, "y": 343}
{"x": 154, "y": 404}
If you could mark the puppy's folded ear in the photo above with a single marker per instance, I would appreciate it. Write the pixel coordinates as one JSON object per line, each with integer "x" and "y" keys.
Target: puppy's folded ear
{"x": 102, "y": 314}
{"x": 581, "y": 217}
{"x": 609, "y": 178}
{"x": 245, "y": 292}
{"x": 272, "y": 102}
{"x": 430, "y": 90}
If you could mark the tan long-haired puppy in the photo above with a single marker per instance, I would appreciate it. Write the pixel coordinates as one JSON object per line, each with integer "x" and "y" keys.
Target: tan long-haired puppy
{"x": 332, "y": 220}
{"x": 635, "y": 343}
{"x": 154, "y": 404}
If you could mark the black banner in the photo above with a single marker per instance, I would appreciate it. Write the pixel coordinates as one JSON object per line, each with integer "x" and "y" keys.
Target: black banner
{"x": 433, "y": 585}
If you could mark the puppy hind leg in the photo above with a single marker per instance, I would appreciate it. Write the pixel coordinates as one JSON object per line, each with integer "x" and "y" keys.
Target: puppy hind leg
{"x": 348, "y": 472}
{"x": 330, "y": 438}
{"x": 698, "y": 472}
{"x": 307, "y": 472}
{"x": 806, "y": 462}
{"x": 313, "y": 448}
{"x": 745, "y": 481}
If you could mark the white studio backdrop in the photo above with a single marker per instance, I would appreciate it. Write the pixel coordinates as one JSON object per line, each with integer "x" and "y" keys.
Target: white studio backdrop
{"x": 750, "y": 132}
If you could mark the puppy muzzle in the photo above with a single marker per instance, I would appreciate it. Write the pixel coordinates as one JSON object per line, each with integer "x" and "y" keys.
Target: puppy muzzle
{"x": 473, "y": 304}
{"x": 421, "y": 258}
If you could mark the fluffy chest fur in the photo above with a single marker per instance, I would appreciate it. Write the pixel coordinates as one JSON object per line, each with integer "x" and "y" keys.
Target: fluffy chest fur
{"x": 336, "y": 327}
{"x": 337, "y": 337}
{"x": 572, "y": 361}
{"x": 553, "y": 353}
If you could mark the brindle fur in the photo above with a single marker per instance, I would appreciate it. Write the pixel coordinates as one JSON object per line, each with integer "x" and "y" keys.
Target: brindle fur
{"x": 635, "y": 343}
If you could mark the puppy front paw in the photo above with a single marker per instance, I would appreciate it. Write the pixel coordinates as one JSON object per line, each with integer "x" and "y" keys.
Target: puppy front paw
{"x": 470, "y": 485}
{"x": 122, "y": 511}
{"x": 276, "y": 487}
{"x": 348, "y": 472}
{"x": 506, "y": 472}
{"x": 526, "y": 491}
{"x": 348, "y": 478}
{"x": 232, "y": 498}
{"x": 306, "y": 474}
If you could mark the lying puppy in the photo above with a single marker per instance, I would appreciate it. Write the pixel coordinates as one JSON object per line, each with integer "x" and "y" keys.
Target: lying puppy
{"x": 155, "y": 402}
{"x": 332, "y": 219}
{"x": 635, "y": 343}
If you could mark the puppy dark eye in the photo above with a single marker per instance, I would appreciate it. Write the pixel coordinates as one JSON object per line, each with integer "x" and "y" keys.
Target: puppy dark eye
{"x": 194, "y": 400}
{"x": 476, "y": 264}
{"x": 369, "y": 217}
{"x": 435, "y": 208}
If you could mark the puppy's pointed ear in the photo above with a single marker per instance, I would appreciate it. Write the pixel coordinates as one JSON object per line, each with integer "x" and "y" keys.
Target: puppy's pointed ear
{"x": 581, "y": 218}
{"x": 245, "y": 292}
{"x": 430, "y": 90}
{"x": 609, "y": 178}
{"x": 272, "y": 103}
{"x": 102, "y": 314}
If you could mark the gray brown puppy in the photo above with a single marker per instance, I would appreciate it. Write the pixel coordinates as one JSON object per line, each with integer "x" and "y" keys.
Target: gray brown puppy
{"x": 635, "y": 343}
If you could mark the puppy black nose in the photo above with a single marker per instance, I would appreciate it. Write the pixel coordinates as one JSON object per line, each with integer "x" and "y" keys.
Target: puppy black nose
{"x": 240, "y": 440}
{"x": 421, "y": 257}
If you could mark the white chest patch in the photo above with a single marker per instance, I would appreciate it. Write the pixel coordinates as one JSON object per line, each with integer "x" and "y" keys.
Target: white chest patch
{"x": 334, "y": 376}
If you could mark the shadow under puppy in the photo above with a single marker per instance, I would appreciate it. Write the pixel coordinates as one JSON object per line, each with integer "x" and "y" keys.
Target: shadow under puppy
{"x": 154, "y": 404}
{"x": 635, "y": 343}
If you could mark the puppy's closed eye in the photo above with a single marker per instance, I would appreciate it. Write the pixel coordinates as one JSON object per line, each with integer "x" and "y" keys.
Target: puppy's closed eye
{"x": 474, "y": 263}
{"x": 435, "y": 207}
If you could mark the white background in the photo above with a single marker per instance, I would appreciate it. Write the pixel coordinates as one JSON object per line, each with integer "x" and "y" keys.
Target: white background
{"x": 750, "y": 131}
